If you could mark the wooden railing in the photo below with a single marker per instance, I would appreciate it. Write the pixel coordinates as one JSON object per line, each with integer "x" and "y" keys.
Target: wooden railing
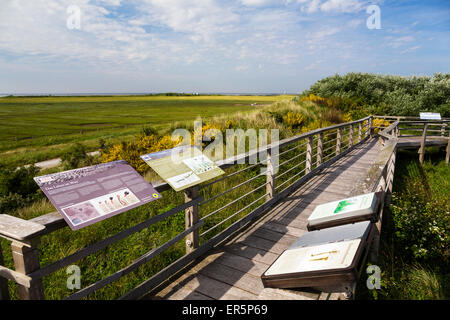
{"x": 430, "y": 132}
{"x": 286, "y": 165}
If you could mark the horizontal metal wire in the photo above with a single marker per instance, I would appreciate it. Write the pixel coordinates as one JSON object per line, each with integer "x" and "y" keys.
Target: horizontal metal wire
{"x": 287, "y": 171}
{"x": 281, "y": 153}
{"x": 231, "y": 174}
{"x": 332, "y": 147}
{"x": 328, "y": 141}
{"x": 231, "y": 189}
{"x": 233, "y": 215}
{"x": 327, "y": 156}
{"x": 290, "y": 179}
{"x": 234, "y": 201}
{"x": 289, "y": 160}
{"x": 345, "y": 146}
{"x": 331, "y": 132}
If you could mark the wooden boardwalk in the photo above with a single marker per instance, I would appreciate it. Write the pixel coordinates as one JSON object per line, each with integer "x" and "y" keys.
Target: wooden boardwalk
{"x": 233, "y": 270}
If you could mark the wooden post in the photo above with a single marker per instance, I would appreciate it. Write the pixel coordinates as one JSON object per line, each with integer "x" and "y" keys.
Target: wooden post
{"x": 338, "y": 141}
{"x": 390, "y": 179}
{"x": 270, "y": 177}
{"x": 350, "y": 136}
{"x": 4, "y": 294}
{"x": 359, "y": 132}
{"x": 319, "y": 149}
{"x": 191, "y": 218}
{"x": 444, "y": 125}
{"x": 309, "y": 150}
{"x": 26, "y": 260}
{"x": 447, "y": 156}
{"x": 371, "y": 130}
{"x": 423, "y": 143}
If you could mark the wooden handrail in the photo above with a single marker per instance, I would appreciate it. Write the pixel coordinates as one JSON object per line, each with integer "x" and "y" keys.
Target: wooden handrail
{"x": 54, "y": 221}
{"x": 48, "y": 223}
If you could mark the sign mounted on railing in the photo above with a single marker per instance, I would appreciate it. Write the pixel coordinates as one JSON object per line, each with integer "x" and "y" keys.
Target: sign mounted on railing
{"x": 87, "y": 195}
{"x": 182, "y": 167}
{"x": 357, "y": 208}
{"x": 327, "y": 259}
{"x": 430, "y": 116}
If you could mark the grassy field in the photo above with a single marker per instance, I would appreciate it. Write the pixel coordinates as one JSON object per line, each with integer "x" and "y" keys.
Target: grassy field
{"x": 39, "y": 128}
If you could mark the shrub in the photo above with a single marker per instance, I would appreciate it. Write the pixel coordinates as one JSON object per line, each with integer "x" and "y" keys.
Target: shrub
{"x": 420, "y": 215}
{"x": 385, "y": 94}
{"x": 18, "y": 181}
{"x": 131, "y": 151}
{"x": 293, "y": 119}
{"x": 18, "y": 188}
{"x": 422, "y": 227}
{"x": 380, "y": 123}
{"x": 77, "y": 157}
{"x": 11, "y": 202}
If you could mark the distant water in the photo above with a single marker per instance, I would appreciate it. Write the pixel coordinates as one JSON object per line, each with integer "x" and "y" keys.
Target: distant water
{"x": 135, "y": 94}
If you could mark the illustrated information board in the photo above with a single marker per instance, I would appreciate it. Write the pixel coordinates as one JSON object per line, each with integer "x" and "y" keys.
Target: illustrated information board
{"x": 87, "y": 195}
{"x": 182, "y": 167}
{"x": 359, "y": 205}
{"x": 328, "y": 256}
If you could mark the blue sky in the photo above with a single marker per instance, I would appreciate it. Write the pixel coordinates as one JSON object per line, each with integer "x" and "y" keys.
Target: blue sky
{"x": 260, "y": 46}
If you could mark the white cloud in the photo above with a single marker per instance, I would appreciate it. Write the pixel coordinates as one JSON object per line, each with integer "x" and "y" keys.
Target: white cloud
{"x": 412, "y": 49}
{"x": 202, "y": 19}
{"x": 355, "y": 23}
{"x": 400, "y": 41}
{"x": 334, "y": 6}
{"x": 342, "y": 6}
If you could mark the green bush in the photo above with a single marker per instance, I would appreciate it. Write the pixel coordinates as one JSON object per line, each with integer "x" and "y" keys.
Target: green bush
{"x": 387, "y": 95}
{"x": 77, "y": 157}
{"x": 19, "y": 181}
{"x": 422, "y": 226}
{"x": 11, "y": 202}
{"x": 414, "y": 248}
{"x": 18, "y": 188}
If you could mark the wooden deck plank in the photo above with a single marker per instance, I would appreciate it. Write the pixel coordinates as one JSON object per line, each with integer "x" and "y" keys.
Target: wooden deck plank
{"x": 254, "y": 254}
{"x": 233, "y": 277}
{"x": 241, "y": 263}
{"x": 260, "y": 243}
{"x": 277, "y": 227}
{"x": 280, "y": 294}
{"x": 233, "y": 270}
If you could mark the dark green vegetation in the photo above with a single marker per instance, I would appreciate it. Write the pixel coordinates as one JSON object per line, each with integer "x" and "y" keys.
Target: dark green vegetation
{"x": 414, "y": 251}
{"x": 35, "y": 129}
{"x": 17, "y": 188}
{"x": 387, "y": 95}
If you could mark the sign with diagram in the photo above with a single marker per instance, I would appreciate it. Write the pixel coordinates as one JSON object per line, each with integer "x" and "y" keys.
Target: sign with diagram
{"x": 87, "y": 195}
{"x": 182, "y": 167}
{"x": 328, "y": 260}
{"x": 328, "y": 256}
{"x": 352, "y": 209}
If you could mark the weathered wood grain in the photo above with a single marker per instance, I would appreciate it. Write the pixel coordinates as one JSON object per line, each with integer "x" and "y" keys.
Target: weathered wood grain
{"x": 18, "y": 229}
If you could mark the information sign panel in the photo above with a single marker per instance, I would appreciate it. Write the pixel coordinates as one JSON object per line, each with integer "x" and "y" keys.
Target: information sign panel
{"x": 182, "y": 167}
{"x": 87, "y": 195}
{"x": 358, "y": 208}
{"x": 430, "y": 116}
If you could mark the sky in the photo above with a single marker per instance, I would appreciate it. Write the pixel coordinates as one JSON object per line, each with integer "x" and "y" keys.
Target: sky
{"x": 234, "y": 46}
